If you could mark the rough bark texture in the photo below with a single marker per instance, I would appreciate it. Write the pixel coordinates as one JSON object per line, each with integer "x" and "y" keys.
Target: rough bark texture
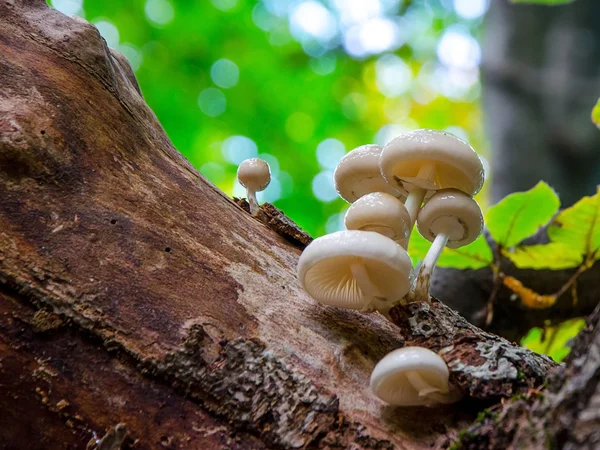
{"x": 485, "y": 366}
{"x": 566, "y": 415}
{"x": 130, "y": 314}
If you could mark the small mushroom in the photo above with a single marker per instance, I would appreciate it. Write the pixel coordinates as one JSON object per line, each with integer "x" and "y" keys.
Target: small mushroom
{"x": 423, "y": 161}
{"x": 355, "y": 269}
{"x": 413, "y": 376}
{"x": 358, "y": 174}
{"x": 255, "y": 175}
{"x": 381, "y": 213}
{"x": 450, "y": 218}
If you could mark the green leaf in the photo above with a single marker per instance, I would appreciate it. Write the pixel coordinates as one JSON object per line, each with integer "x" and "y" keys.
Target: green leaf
{"x": 578, "y": 227}
{"x": 473, "y": 256}
{"x": 556, "y": 342}
{"x": 596, "y": 114}
{"x": 544, "y": 2}
{"x": 552, "y": 256}
{"x": 518, "y": 216}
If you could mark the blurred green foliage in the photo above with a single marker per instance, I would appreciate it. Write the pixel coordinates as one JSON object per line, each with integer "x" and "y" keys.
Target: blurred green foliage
{"x": 553, "y": 341}
{"x": 280, "y": 79}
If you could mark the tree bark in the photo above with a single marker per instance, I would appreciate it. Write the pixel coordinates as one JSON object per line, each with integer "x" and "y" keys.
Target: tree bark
{"x": 140, "y": 307}
{"x": 565, "y": 415}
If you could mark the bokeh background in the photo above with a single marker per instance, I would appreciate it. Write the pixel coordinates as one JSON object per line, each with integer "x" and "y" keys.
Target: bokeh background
{"x": 301, "y": 82}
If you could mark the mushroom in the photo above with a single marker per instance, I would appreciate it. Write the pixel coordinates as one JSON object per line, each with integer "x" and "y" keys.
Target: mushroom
{"x": 382, "y": 213}
{"x": 358, "y": 174}
{"x": 355, "y": 269}
{"x": 413, "y": 376}
{"x": 450, "y": 218}
{"x": 255, "y": 175}
{"x": 422, "y": 161}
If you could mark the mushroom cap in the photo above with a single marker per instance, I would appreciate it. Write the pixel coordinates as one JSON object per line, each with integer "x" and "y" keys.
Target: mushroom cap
{"x": 413, "y": 376}
{"x": 358, "y": 174}
{"x": 254, "y": 174}
{"x": 452, "y": 212}
{"x": 324, "y": 268}
{"x": 453, "y": 162}
{"x": 382, "y": 213}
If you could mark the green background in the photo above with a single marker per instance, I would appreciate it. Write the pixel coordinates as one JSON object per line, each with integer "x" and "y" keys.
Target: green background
{"x": 279, "y": 94}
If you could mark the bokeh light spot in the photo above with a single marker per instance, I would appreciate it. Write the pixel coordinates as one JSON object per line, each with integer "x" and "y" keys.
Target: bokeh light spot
{"x": 375, "y": 36}
{"x": 68, "y": 7}
{"x": 225, "y": 73}
{"x": 159, "y": 12}
{"x": 109, "y": 32}
{"x": 323, "y": 188}
{"x": 323, "y": 65}
{"x": 262, "y": 18}
{"x": 300, "y": 127}
{"x": 458, "y": 49}
{"x": 311, "y": 18}
{"x": 212, "y": 102}
{"x": 329, "y": 153}
{"x": 238, "y": 148}
{"x": 272, "y": 193}
{"x": 335, "y": 222}
{"x": 393, "y": 75}
{"x": 133, "y": 55}
{"x": 471, "y": 9}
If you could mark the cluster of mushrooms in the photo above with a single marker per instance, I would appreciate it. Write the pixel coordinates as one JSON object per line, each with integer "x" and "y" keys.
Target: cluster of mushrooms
{"x": 423, "y": 176}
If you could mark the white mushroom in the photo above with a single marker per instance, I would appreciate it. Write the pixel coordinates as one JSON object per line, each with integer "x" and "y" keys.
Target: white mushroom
{"x": 382, "y": 213}
{"x": 358, "y": 174}
{"x": 450, "y": 218}
{"x": 413, "y": 376}
{"x": 355, "y": 269}
{"x": 255, "y": 175}
{"x": 422, "y": 161}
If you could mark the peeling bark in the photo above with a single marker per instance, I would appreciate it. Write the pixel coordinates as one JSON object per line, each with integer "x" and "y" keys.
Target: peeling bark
{"x": 565, "y": 415}
{"x": 484, "y": 365}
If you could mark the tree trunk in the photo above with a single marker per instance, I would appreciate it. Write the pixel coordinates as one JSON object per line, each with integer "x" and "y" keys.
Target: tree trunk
{"x": 541, "y": 81}
{"x": 140, "y": 307}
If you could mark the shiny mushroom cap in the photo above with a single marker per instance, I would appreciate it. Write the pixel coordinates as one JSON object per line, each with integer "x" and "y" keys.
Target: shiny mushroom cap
{"x": 326, "y": 272}
{"x": 413, "y": 376}
{"x": 432, "y": 160}
{"x": 358, "y": 174}
{"x": 254, "y": 174}
{"x": 382, "y": 213}
{"x": 453, "y": 213}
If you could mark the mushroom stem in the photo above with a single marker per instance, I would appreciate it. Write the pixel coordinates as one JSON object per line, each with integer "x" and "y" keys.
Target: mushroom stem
{"x": 414, "y": 201}
{"x": 252, "y": 201}
{"x": 366, "y": 286}
{"x": 415, "y": 197}
{"x": 424, "y": 389}
{"x": 421, "y": 292}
